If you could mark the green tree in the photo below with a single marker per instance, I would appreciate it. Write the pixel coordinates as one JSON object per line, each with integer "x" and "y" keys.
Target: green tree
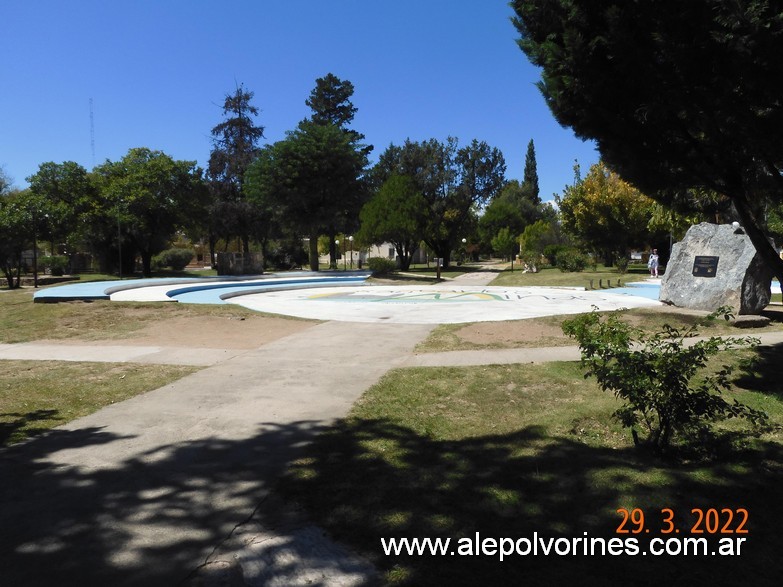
{"x": 313, "y": 178}
{"x": 606, "y": 214}
{"x": 15, "y": 234}
{"x": 456, "y": 182}
{"x": 330, "y": 102}
{"x": 530, "y": 177}
{"x": 513, "y": 208}
{"x": 678, "y": 98}
{"x": 5, "y": 182}
{"x": 64, "y": 191}
{"x": 234, "y": 147}
{"x": 505, "y": 243}
{"x": 396, "y": 214}
{"x": 153, "y": 196}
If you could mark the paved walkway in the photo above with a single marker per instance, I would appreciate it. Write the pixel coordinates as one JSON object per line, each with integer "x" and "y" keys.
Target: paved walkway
{"x": 141, "y": 492}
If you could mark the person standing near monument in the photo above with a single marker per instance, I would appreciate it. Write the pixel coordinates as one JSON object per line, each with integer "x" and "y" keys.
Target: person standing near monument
{"x": 652, "y": 263}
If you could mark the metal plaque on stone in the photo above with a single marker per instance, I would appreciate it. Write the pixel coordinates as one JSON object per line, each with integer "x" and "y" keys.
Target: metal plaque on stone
{"x": 705, "y": 266}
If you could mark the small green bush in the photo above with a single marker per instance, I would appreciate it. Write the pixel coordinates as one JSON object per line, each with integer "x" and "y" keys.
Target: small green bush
{"x": 658, "y": 377}
{"x": 381, "y": 266}
{"x": 57, "y": 264}
{"x": 571, "y": 260}
{"x": 176, "y": 259}
{"x": 551, "y": 252}
{"x": 621, "y": 263}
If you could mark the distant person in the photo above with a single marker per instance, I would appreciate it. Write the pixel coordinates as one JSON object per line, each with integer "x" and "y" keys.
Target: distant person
{"x": 652, "y": 263}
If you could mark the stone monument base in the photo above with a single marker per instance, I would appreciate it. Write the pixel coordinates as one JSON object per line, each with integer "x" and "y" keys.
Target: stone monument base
{"x": 713, "y": 266}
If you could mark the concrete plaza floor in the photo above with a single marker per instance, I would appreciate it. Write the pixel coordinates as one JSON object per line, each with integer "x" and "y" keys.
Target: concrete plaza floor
{"x": 344, "y": 296}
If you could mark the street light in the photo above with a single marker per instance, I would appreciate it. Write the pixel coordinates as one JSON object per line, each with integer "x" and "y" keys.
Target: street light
{"x": 336, "y": 250}
{"x": 119, "y": 238}
{"x": 464, "y": 249}
{"x": 35, "y": 248}
{"x": 350, "y": 239}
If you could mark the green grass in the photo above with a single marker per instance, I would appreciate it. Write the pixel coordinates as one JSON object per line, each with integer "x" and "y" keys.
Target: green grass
{"x": 38, "y": 395}
{"x": 512, "y": 450}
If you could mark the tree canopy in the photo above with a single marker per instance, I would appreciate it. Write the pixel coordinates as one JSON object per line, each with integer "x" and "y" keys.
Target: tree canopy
{"x": 606, "y": 214}
{"x": 330, "y": 101}
{"x": 153, "y": 195}
{"x": 313, "y": 178}
{"x": 15, "y": 233}
{"x": 64, "y": 191}
{"x": 234, "y": 147}
{"x": 455, "y": 182}
{"x": 679, "y": 97}
{"x": 396, "y": 214}
{"x": 530, "y": 176}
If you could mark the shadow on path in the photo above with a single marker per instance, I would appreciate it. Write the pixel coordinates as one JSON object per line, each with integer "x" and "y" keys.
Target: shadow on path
{"x": 64, "y": 525}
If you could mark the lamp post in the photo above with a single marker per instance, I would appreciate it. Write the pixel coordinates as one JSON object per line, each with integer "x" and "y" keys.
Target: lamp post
{"x": 350, "y": 240}
{"x": 119, "y": 239}
{"x": 35, "y": 248}
{"x": 464, "y": 248}
{"x": 336, "y": 250}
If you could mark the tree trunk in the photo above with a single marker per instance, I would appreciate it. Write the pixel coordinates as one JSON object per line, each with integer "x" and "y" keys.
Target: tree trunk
{"x": 332, "y": 251}
{"x": 212, "y": 243}
{"x": 146, "y": 262}
{"x": 405, "y": 256}
{"x": 752, "y": 228}
{"x": 314, "y": 252}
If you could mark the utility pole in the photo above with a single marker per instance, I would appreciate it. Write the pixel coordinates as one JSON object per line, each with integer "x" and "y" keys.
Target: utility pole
{"x": 92, "y": 134}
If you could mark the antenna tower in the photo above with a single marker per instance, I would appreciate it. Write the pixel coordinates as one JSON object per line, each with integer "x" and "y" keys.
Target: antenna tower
{"x": 92, "y": 134}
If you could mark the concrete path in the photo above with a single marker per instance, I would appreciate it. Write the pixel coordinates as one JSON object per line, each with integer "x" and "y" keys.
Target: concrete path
{"x": 140, "y": 492}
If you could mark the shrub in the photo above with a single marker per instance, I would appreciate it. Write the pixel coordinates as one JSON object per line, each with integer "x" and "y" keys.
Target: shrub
{"x": 655, "y": 376}
{"x": 551, "y": 252}
{"x": 176, "y": 259}
{"x": 57, "y": 264}
{"x": 621, "y": 263}
{"x": 381, "y": 266}
{"x": 571, "y": 260}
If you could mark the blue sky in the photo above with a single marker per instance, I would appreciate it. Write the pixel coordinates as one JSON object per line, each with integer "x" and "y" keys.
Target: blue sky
{"x": 157, "y": 72}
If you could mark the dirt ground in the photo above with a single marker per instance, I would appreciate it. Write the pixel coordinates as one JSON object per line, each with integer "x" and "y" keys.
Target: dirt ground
{"x": 517, "y": 333}
{"x": 207, "y": 332}
{"x": 548, "y": 331}
{"x": 246, "y": 332}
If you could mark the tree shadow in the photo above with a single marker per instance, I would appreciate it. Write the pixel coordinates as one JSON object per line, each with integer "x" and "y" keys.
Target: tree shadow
{"x": 12, "y": 431}
{"x": 765, "y": 372}
{"x": 120, "y": 517}
{"x": 364, "y": 480}
{"x": 149, "y": 518}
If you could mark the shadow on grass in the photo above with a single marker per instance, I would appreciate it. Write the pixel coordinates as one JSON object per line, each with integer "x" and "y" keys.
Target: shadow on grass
{"x": 765, "y": 372}
{"x": 370, "y": 479}
{"x": 22, "y": 425}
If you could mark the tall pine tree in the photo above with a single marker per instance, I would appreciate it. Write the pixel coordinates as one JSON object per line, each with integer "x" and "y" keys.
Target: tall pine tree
{"x": 234, "y": 147}
{"x": 530, "y": 178}
{"x": 331, "y": 104}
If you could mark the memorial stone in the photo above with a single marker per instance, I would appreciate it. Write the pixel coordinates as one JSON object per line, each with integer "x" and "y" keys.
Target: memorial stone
{"x": 713, "y": 266}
